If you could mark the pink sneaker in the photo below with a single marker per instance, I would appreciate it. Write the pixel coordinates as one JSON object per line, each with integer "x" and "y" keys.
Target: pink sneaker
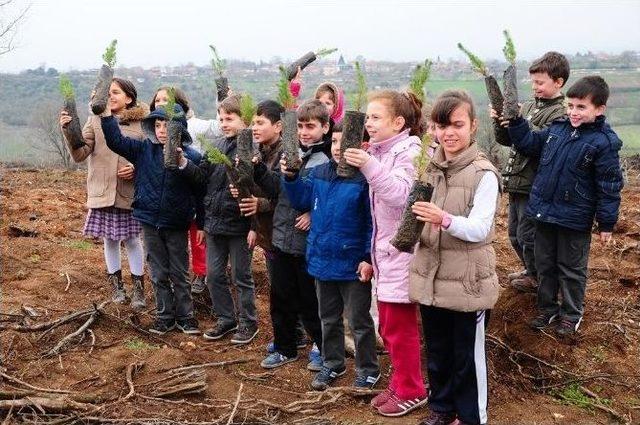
{"x": 381, "y": 398}
{"x": 396, "y": 406}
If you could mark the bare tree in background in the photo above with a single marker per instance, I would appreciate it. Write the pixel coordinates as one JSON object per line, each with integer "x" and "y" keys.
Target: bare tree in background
{"x": 11, "y": 16}
{"x": 49, "y": 139}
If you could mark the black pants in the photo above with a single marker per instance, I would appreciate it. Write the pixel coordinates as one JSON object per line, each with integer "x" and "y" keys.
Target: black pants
{"x": 522, "y": 231}
{"x": 456, "y": 362}
{"x": 561, "y": 258}
{"x": 293, "y": 294}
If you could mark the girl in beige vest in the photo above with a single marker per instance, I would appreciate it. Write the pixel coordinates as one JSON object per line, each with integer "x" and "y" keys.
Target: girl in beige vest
{"x": 453, "y": 272}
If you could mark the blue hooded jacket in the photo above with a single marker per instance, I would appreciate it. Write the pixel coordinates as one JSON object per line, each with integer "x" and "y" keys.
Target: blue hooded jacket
{"x": 579, "y": 175}
{"x": 165, "y": 199}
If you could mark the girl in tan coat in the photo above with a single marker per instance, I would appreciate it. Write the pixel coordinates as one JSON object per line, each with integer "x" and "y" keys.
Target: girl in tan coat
{"x": 453, "y": 273}
{"x": 110, "y": 190}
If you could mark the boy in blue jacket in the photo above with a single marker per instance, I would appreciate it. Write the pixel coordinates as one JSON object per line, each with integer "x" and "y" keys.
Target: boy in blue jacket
{"x": 164, "y": 203}
{"x": 339, "y": 257}
{"x": 579, "y": 178}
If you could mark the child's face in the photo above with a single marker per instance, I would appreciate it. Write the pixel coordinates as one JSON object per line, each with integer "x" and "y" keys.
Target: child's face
{"x": 327, "y": 100}
{"x": 161, "y": 131}
{"x": 162, "y": 98}
{"x": 310, "y": 132}
{"x": 380, "y": 124}
{"x": 583, "y": 111}
{"x": 336, "y": 139}
{"x": 230, "y": 123}
{"x": 264, "y": 131}
{"x": 544, "y": 86}
{"x": 118, "y": 100}
{"x": 456, "y": 136}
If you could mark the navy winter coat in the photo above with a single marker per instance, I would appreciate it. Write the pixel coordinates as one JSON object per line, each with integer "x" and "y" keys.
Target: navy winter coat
{"x": 340, "y": 235}
{"x": 579, "y": 175}
{"x": 165, "y": 199}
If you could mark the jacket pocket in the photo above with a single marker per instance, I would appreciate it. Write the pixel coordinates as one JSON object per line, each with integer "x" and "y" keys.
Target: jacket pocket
{"x": 550, "y": 149}
{"x": 584, "y": 161}
{"x": 97, "y": 182}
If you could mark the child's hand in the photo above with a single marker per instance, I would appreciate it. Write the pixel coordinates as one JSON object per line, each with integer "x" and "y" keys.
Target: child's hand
{"x": 182, "y": 161}
{"x": 297, "y": 78}
{"x": 356, "y": 157}
{"x": 252, "y": 237}
{"x": 256, "y": 159}
{"x": 234, "y": 192}
{"x": 494, "y": 115}
{"x": 200, "y": 237}
{"x": 365, "y": 271}
{"x": 303, "y": 222}
{"x": 428, "y": 212}
{"x": 284, "y": 170}
{"x": 605, "y": 237}
{"x": 249, "y": 206}
{"x": 127, "y": 172}
{"x": 65, "y": 118}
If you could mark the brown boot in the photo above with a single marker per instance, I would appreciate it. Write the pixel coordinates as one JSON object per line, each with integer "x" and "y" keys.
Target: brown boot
{"x": 137, "y": 298}
{"x": 525, "y": 284}
{"x": 115, "y": 280}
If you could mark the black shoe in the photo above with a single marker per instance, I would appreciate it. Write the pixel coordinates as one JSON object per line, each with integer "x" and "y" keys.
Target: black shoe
{"x": 161, "y": 326}
{"x": 188, "y": 326}
{"x": 542, "y": 320}
{"x": 219, "y": 331}
{"x": 567, "y": 328}
{"x": 438, "y": 418}
{"x": 244, "y": 335}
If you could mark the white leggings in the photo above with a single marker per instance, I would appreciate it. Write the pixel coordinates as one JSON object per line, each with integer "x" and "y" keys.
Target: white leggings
{"x": 134, "y": 255}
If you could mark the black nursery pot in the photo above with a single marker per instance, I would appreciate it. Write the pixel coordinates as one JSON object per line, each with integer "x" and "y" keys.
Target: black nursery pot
{"x": 222, "y": 88}
{"x": 410, "y": 227}
{"x": 509, "y": 84}
{"x": 352, "y": 134}
{"x": 290, "y": 140}
{"x": 72, "y": 130}
{"x": 101, "y": 89}
{"x": 303, "y": 62}
{"x": 174, "y": 130}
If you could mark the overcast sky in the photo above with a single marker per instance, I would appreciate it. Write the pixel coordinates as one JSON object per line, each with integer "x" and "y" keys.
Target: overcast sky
{"x": 73, "y": 34}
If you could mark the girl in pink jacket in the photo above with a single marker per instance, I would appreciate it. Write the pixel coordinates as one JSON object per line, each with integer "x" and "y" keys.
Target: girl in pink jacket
{"x": 394, "y": 123}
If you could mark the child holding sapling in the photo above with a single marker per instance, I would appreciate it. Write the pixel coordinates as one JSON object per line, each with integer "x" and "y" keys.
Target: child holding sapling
{"x": 394, "y": 124}
{"x": 338, "y": 256}
{"x": 165, "y": 204}
{"x": 226, "y": 232}
{"x": 453, "y": 273}
{"x": 110, "y": 189}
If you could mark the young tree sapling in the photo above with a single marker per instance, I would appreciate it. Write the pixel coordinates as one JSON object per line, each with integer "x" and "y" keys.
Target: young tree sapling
{"x": 511, "y": 109}
{"x": 72, "y": 131}
{"x": 101, "y": 89}
{"x": 305, "y": 60}
{"x": 219, "y": 66}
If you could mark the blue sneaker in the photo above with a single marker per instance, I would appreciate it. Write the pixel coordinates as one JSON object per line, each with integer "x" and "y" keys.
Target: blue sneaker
{"x": 315, "y": 359}
{"x": 276, "y": 359}
{"x": 366, "y": 382}
{"x": 325, "y": 378}
{"x": 271, "y": 347}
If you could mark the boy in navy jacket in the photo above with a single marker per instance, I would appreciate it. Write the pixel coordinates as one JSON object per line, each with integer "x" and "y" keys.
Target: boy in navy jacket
{"x": 579, "y": 179}
{"x": 164, "y": 203}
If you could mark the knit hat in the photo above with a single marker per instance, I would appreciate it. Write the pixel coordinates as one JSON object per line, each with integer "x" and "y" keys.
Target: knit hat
{"x": 149, "y": 123}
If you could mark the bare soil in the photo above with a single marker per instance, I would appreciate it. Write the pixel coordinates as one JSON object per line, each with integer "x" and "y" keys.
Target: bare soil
{"x": 50, "y": 269}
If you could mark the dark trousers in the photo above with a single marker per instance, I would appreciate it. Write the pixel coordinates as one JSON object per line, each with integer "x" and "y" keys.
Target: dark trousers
{"x": 293, "y": 294}
{"x": 333, "y": 296}
{"x": 233, "y": 249}
{"x": 169, "y": 263}
{"x": 456, "y": 362}
{"x": 522, "y": 231}
{"x": 562, "y": 255}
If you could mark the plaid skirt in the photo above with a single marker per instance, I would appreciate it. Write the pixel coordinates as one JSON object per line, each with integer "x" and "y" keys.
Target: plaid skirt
{"x": 111, "y": 223}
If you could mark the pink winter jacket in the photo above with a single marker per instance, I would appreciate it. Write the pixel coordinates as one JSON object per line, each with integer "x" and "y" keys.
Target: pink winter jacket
{"x": 390, "y": 173}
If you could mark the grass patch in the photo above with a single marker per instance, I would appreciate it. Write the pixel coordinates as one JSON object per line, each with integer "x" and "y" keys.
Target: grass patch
{"x": 574, "y": 396}
{"x": 630, "y": 136}
{"x": 81, "y": 245}
{"x": 34, "y": 259}
{"x": 598, "y": 353}
{"x": 136, "y": 344}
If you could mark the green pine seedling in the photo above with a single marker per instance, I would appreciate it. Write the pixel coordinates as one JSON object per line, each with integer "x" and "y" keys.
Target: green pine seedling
{"x": 217, "y": 63}
{"x": 66, "y": 88}
{"x": 248, "y": 109}
{"x": 361, "y": 88}
{"x": 320, "y": 53}
{"x": 419, "y": 79}
{"x": 215, "y": 156}
{"x": 476, "y": 62}
{"x": 509, "y": 48}
{"x": 109, "y": 55}
{"x": 285, "y": 97}
{"x": 169, "y": 107}
{"x": 422, "y": 160}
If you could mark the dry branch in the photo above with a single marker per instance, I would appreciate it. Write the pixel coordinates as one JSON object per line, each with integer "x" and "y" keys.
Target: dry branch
{"x": 235, "y": 405}
{"x": 204, "y": 365}
{"x": 24, "y": 384}
{"x": 59, "y": 404}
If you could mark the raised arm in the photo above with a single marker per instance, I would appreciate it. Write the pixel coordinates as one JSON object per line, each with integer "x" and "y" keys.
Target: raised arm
{"x": 124, "y": 146}
{"x": 524, "y": 139}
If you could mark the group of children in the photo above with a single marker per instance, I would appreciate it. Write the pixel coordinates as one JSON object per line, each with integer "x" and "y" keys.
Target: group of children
{"x": 327, "y": 239}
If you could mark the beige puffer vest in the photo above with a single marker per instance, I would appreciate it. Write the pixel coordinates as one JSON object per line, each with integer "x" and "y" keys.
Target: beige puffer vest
{"x": 448, "y": 272}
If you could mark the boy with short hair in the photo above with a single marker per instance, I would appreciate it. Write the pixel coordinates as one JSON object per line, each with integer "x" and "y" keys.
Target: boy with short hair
{"x": 339, "y": 257}
{"x": 549, "y": 74}
{"x": 164, "y": 204}
{"x": 292, "y": 288}
{"x": 579, "y": 178}
{"x": 226, "y": 233}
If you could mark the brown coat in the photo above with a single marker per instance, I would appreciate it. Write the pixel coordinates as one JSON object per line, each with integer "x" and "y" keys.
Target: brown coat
{"x": 448, "y": 272}
{"x": 104, "y": 188}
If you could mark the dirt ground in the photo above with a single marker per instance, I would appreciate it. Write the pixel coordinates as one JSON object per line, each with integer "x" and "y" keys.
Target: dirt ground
{"x": 50, "y": 270}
